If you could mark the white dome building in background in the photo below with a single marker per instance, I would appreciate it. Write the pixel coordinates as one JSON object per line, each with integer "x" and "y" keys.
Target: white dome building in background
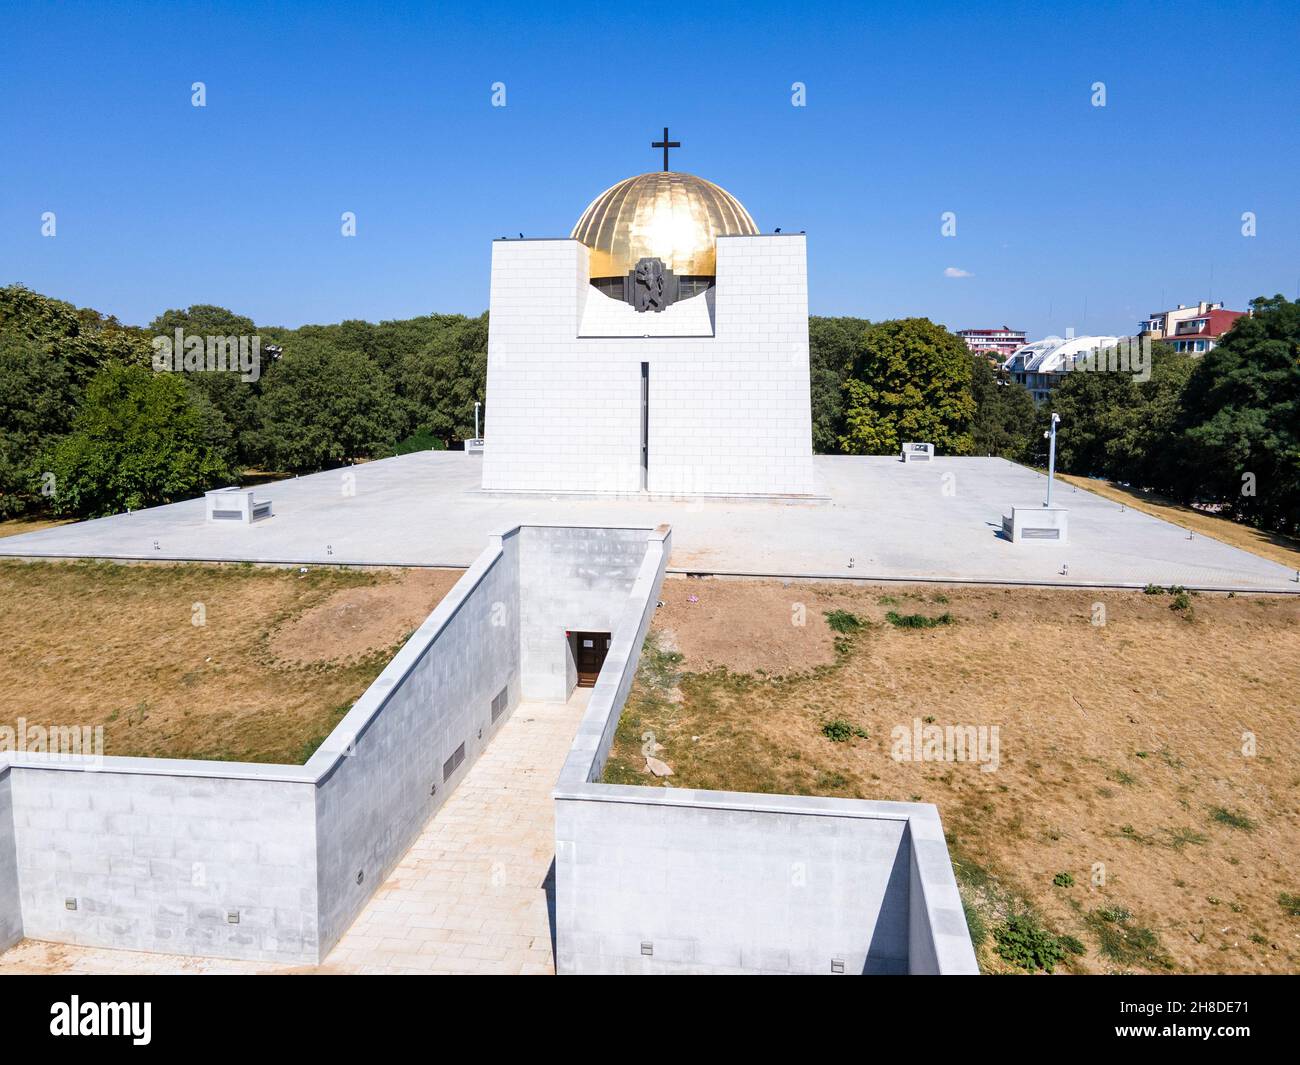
{"x": 1040, "y": 366}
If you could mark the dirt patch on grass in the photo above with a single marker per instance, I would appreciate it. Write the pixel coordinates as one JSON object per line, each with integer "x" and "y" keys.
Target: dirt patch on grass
{"x": 780, "y": 633}
{"x": 356, "y": 622}
{"x": 180, "y": 661}
{"x": 1121, "y": 759}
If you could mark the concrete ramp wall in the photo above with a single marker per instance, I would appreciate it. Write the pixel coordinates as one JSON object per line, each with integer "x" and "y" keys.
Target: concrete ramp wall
{"x": 672, "y": 880}
{"x": 273, "y": 862}
{"x": 11, "y": 920}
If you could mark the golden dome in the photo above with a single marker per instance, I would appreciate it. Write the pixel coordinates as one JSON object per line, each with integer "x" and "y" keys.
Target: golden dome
{"x": 664, "y": 215}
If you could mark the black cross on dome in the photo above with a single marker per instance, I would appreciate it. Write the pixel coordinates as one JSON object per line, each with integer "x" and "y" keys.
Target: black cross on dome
{"x": 665, "y": 144}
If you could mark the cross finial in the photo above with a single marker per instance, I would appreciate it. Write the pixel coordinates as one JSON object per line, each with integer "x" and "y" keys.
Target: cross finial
{"x": 665, "y": 144}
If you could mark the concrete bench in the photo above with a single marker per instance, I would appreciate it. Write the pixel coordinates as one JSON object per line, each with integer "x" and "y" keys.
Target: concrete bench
{"x": 1036, "y": 523}
{"x": 917, "y": 453}
{"x": 236, "y": 504}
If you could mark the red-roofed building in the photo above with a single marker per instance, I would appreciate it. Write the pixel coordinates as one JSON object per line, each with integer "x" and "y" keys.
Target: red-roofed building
{"x": 999, "y": 342}
{"x": 1199, "y": 334}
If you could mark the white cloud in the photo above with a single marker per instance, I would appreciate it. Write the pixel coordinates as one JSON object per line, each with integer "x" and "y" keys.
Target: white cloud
{"x": 953, "y": 271}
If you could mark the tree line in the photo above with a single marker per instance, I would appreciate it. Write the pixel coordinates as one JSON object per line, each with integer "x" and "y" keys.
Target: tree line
{"x": 89, "y": 427}
{"x": 1220, "y": 430}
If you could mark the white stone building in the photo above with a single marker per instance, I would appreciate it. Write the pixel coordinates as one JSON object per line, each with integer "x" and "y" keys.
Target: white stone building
{"x": 704, "y": 392}
{"x": 1042, "y": 365}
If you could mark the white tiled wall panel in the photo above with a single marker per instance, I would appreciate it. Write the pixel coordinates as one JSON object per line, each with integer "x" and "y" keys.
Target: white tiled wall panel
{"x": 729, "y": 407}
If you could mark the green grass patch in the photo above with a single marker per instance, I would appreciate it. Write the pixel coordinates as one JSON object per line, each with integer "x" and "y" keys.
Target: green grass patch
{"x": 1122, "y": 940}
{"x": 1228, "y": 817}
{"x": 1024, "y": 942}
{"x": 844, "y": 622}
{"x": 840, "y": 731}
{"x": 917, "y": 621}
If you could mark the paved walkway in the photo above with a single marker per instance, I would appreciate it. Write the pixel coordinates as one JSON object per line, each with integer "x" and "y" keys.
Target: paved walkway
{"x": 472, "y": 895}
{"x": 882, "y": 519}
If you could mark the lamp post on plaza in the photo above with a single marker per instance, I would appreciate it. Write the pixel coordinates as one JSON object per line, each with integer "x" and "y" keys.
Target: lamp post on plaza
{"x": 1050, "y": 435}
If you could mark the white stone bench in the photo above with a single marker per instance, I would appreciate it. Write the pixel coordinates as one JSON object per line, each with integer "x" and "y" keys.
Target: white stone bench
{"x": 1036, "y": 523}
{"x": 917, "y": 453}
{"x": 236, "y": 504}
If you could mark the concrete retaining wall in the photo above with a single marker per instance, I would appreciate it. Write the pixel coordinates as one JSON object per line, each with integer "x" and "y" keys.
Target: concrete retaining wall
{"x": 273, "y": 862}
{"x": 182, "y": 864}
{"x": 712, "y": 882}
{"x": 573, "y": 579}
{"x": 670, "y": 880}
{"x": 11, "y": 921}
{"x": 382, "y": 774}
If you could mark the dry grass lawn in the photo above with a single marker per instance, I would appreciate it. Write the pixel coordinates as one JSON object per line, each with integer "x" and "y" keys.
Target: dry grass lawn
{"x": 1273, "y": 546}
{"x": 280, "y": 657}
{"x": 1120, "y": 747}
{"x": 15, "y": 526}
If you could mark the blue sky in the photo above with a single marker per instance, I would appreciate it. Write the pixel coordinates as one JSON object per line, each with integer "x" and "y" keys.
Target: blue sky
{"x": 1068, "y": 215}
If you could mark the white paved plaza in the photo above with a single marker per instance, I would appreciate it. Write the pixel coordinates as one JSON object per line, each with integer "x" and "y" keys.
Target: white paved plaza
{"x": 879, "y": 519}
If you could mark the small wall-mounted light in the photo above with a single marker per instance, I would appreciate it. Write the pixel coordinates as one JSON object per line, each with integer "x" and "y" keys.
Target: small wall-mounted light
{"x": 69, "y": 904}
{"x": 232, "y": 917}
{"x": 647, "y": 949}
{"x": 837, "y": 965}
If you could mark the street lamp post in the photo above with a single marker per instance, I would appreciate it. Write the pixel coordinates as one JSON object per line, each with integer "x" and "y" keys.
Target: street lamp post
{"x": 476, "y": 407}
{"x": 1051, "y": 456}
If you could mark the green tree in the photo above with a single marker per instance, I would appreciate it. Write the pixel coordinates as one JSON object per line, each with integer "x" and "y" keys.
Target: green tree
{"x": 1241, "y": 418}
{"x": 320, "y": 408}
{"x": 38, "y": 394}
{"x": 83, "y": 339}
{"x": 1095, "y": 407}
{"x": 139, "y": 439}
{"x": 1147, "y": 449}
{"x": 49, "y": 349}
{"x": 440, "y": 383}
{"x": 1006, "y": 422}
{"x": 834, "y": 345}
{"x": 233, "y": 397}
{"x": 912, "y": 381}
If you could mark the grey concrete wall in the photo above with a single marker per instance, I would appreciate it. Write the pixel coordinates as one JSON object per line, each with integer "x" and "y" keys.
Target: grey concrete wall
{"x": 571, "y": 578}
{"x": 11, "y": 917}
{"x": 158, "y": 862}
{"x": 724, "y": 882}
{"x": 435, "y": 695}
{"x": 157, "y": 853}
{"x": 938, "y": 939}
{"x": 715, "y": 882}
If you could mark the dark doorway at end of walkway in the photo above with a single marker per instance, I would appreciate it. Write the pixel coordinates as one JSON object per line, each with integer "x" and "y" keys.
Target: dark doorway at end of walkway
{"x": 589, "y": 651}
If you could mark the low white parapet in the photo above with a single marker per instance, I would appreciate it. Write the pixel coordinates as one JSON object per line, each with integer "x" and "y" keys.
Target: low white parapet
{"x": 1036, "y": 523}
{"x": 917, "y": 453}
{"x": 236, "y": 504}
